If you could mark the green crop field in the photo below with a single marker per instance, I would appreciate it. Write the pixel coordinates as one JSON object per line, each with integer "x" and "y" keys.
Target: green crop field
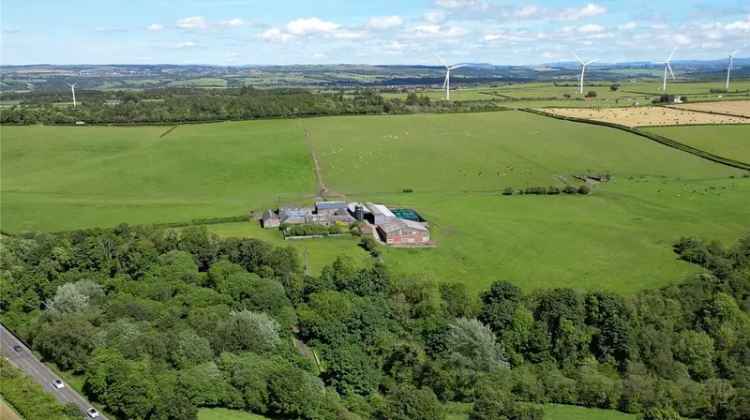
{"x": 619, "y": 238}
{"x": 731, "y": 141}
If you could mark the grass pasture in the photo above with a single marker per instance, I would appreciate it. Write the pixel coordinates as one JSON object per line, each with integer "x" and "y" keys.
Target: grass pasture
{"x": 60, "y": 178}
{"x": 227, "y": 414}
{"x": 728, "y": 141}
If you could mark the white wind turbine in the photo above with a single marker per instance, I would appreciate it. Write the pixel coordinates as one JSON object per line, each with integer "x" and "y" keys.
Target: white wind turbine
{"x": 667, "y": 68}
{"x": 447, "y": 82}
{"x": 73, "y": 89}
{"x": 731, "y": 64}
{"x": 584, "y": 64}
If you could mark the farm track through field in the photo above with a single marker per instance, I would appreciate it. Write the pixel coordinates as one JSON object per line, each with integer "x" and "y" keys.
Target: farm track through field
{"x": 654, "y": 137}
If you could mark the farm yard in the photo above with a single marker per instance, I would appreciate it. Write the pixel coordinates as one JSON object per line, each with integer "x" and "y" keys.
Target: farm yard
{"x": 740, "y": 108}
{"x": 648, "y": 116}
{"x": 455, "y": 165}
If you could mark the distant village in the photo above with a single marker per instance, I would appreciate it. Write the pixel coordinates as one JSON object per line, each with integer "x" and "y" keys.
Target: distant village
{"x": 394, "y": 227}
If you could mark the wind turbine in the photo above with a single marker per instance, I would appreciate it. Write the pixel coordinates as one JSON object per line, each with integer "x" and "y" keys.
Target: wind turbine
{"x": 584, "y": 64}
{"x": 447, "y": 82}
{"x": 73, "y": 89}
{"x": 729, "y": 69}
{"x": 667, "y": 68}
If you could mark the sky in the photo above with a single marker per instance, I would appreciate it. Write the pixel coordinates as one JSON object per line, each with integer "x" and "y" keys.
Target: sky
{"x": 247, "y": 32}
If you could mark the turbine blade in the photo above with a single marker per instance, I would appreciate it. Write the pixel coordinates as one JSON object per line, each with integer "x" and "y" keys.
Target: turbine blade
{"x": 578, "y": 58}
{"x": 441, "y": 60}
{"x": 670, "y": 71}
{"x": 672, "y": 55}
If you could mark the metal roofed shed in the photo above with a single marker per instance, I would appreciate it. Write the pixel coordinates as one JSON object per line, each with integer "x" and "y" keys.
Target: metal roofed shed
{"x": 330, "y": 205}
{"x": 380, "y": 213}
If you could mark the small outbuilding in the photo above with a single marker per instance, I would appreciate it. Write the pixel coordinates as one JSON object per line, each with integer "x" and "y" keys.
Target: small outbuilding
{"x": 330, "y": 207}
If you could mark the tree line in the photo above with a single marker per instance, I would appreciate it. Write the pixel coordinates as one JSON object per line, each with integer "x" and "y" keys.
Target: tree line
{"x": 201, "y": 105}
{"x": 160, "y": 322}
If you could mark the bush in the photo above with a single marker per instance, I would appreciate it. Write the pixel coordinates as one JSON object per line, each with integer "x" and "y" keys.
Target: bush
{"x": 536, "y": 190}
{"x": 569, "y": 189}
{"x": 311, "y": 230}
{"x": 407, "y": 190}
{"x": 591, "y": 94}
{"x": 553, "y": 191}
{"x": 368, "y": 244}
{"x": 584, "y": 190}
{"x": 615, "y": 87}
{"x": 508, "y": 191}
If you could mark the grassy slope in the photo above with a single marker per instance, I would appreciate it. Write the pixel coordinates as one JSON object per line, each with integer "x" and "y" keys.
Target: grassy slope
{"x": 226, "y": 414}
{"x": 57, "y": 178}
{"x": 618, "y": 239}
{"x": 728, "y": 141}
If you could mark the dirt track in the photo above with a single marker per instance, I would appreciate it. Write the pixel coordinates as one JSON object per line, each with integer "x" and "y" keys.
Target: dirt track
{"x": 647, "y": 116}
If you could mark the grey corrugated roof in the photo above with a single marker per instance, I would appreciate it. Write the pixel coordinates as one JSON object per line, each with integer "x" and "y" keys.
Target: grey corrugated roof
{"x": 329, "y": 205}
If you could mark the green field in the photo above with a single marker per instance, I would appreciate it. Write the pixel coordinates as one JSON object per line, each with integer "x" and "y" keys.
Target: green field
{"x": 730, "y": 141}
{"x": 57, "y": 178}
{"x": 546, "y": 94}
{"x": 569, "y": 412}
{"x": 227, "y": 414}
{"x": 619, "y": 238}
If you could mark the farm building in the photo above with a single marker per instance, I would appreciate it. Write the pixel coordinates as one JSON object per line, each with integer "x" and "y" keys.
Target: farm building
{"x": 294, "y": 216}
{"x": 380, "y": 213}
{"x": 270, "y": 220}
{"x": 330, "y": 207}
{"x": 396, "y": 231}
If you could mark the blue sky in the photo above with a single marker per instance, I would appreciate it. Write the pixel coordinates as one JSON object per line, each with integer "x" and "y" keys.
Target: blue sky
{"x": 236, "y": 32}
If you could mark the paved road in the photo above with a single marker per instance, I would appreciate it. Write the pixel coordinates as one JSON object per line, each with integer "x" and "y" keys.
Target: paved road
{"x": 25, "y": 360}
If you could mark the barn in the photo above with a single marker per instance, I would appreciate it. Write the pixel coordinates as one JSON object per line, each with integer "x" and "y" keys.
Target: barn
{"x": 380, "y": 213}
{"x": 394, "y": 231}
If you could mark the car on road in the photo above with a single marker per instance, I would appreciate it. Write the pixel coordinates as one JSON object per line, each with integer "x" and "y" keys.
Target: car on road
{"x": 17, "y": 349}
{"x": 92, "y": 413}
{"x": 58, "y": 384}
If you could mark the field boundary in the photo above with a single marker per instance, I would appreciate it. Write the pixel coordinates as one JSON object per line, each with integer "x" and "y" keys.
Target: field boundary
{"x": 169, "y": 130}
{"x": 651, "y": 136}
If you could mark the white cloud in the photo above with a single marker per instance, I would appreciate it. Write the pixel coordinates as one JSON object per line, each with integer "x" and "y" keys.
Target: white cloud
{"x": 681, "y": 39}
{"x": 740, "y": 25}
{"x": 629, "y": 26}
{"x": 591, "y": 29}
{"x": 232, "y": 23}
{"x": 186, "y": 44}
{"x": 528, "y": 11}
{"x": 154, "y": 27}
{"x": 312, "y": 25}
{"x": 438, "y": 31}
{"x": 434, "y": 16}
{"x": 275, "y": 35}
{"x": 457, "y": 4}
{"x": 589, "y": 10}
{"x": 384, "y": 22}
{"x": 192, "y": 23}
{"x": 348, "y": 34}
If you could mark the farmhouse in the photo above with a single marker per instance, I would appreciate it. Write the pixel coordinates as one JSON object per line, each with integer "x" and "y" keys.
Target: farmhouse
{"x": 294, "y": 216}
{"x": 270, "y": 220}
{"x": 396, "y": 231}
